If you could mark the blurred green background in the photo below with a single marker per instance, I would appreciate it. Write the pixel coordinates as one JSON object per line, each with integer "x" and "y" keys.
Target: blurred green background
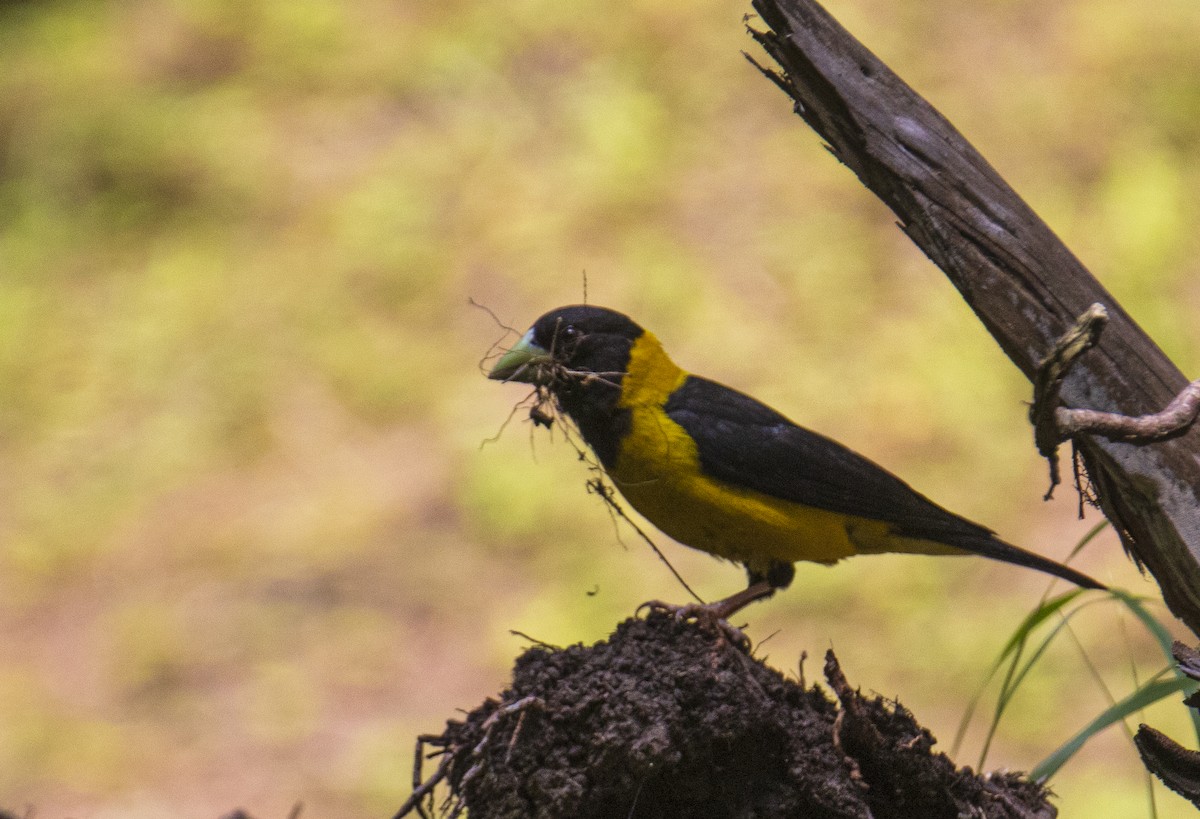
{"x": 251, "y": 539}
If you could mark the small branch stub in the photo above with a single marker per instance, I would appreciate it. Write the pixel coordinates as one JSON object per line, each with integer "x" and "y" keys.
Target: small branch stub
{"x": 1175, "y": 419}
{"x": 1176, "y": 766}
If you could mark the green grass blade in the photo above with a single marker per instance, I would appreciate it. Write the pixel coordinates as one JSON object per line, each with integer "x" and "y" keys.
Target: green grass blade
{"x": 1017, "y": 672}
{"x": 1156, "y": 628}
{"x": 1032, "y": 620}
{"x": 1015, "y": 644}
{"x": 1087, "y": 538}
{"x": 1148, "y": 694}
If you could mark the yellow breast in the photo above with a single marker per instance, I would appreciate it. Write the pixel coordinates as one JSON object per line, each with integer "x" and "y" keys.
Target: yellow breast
{"x": 658, "y": 471}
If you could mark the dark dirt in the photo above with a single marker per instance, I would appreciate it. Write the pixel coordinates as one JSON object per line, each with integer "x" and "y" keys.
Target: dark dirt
{"x": 669, "y": 719}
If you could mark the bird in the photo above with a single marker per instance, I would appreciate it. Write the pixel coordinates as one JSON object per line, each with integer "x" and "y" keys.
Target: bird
{"x": 722, "y": 472}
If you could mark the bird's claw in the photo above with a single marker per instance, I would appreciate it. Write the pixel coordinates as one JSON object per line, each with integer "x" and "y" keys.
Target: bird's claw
{"x": 709, "y": 616}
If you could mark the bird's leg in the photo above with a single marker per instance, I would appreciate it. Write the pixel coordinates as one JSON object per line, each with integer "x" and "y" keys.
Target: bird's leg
{"x": 761, "y": 586}
{"x": 731, "y": 605}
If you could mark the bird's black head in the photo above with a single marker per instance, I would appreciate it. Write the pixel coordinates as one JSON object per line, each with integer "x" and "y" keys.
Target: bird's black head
{"x": 568, "y": 345}
{"x": 579, "y": 355}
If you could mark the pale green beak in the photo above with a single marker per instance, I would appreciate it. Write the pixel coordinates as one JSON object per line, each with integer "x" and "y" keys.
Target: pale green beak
{"x": 521, "y": 363}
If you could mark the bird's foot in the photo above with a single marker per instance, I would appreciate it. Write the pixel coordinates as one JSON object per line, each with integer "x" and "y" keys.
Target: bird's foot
{"x": 708, "y": 616}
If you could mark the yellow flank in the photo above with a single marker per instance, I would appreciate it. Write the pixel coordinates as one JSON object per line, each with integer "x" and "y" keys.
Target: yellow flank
{"x": 658, "y": 471}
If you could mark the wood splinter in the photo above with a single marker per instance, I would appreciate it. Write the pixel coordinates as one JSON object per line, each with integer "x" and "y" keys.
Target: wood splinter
{"x": 1053, "y": 424}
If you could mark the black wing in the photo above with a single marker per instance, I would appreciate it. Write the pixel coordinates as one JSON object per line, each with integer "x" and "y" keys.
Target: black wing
{"x": 746, "y": 443}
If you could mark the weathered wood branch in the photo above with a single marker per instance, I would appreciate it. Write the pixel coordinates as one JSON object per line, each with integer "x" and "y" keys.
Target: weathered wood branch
{"x": 1024, "y": 284}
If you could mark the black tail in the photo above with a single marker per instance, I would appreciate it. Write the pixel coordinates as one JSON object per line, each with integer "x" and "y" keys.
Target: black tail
{"x": 999, "y": 550}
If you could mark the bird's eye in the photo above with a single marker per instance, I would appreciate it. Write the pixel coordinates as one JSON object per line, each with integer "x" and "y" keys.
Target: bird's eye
{"x": 570, "y": 331}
